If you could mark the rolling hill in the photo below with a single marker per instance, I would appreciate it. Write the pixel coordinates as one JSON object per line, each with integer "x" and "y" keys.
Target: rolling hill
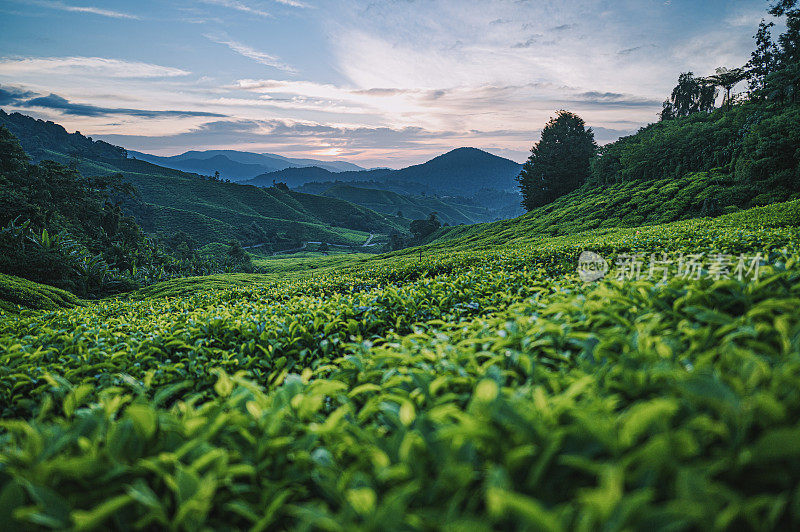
{"x": 449, "y": 211}
{"x": 461, "y": 177}
{"x": 171, "y": 200}
{"x": 214, "y": 211}
{"x": 297, "y": 177}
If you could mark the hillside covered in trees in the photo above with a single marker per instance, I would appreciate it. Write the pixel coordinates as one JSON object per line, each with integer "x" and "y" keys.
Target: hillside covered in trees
{"x": 749, "y": 141}
{"x": 90, "y": 220}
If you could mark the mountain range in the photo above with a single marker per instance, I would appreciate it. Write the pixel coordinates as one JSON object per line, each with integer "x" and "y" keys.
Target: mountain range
{"x": 237, "y": 165}
{"x": 459, "y": 172}
{"x": 465, "y": 185}
{"x": 169, "y": 201}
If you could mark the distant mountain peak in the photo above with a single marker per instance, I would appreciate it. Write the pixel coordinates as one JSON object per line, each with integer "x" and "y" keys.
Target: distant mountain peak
{"x": 469, "y": 152}
{"x": 462, "y": 171}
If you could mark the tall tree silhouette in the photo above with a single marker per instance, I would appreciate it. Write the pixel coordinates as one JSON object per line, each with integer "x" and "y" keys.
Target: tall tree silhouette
{"x": 762, "y": 60}
{"x": 691, "y": 95}
{"x": 727, "y": 79}
{"x": 559, "y": 162}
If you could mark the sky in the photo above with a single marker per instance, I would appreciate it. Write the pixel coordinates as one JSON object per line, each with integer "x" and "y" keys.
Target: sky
{"x": 378, "y": 83}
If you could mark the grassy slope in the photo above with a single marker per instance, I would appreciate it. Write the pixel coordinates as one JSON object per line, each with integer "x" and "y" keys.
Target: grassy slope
{"x": 238, "y": 206}
{"x": 493, "y": 238}
{"x": 20, "y": 294}
{"x": 217, "y": 211}
{"x": 623, "y": 205}
{"x": 412, "y": 207}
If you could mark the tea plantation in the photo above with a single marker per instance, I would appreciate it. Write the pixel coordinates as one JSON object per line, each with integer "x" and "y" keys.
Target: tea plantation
{"x": 463, "y": 390}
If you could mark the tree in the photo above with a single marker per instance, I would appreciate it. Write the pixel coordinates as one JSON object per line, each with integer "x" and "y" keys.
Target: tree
{"x": 789, "y": 56}
{"x": 559, "y": 162}
{"x": 423, "y": 228}
{"x": 727, "y": 79}
{"x": 241, "y": 260}
{"x": 182, "y": 245}
{"x": 762, "y": 60}
{"x": 691, "y": 95}
{"x": 667, "y": 111}
{"x": 775, "y": 68}
{"x": 782, "y": 7}
{"x": 74, "y": 223}
{"x": 395, "y": 241}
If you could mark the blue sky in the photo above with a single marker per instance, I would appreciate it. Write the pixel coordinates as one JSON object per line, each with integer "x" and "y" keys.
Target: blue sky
{"x": 380, "y": 83}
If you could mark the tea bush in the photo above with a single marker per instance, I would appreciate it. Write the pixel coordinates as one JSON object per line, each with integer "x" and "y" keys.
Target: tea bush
{"x": 482, "y": 387}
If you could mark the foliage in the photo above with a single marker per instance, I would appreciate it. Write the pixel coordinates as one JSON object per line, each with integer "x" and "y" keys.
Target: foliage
{"x": 769, "y": 152}
{"x": 19, "y": 294}
{"x": 60, "y": 228}
{"x": 774, "y": 67}
{"x": 726, "y": 79}
{"x": 477, "y": 389}
{"x": 725, "y": 139}
{"x": 426, "y": 227}
{"x": 559, "y": 162}
{"x": 39, "y": 138}
{"x": 691, "y": 95}
{"x": 763, "y": 59}
{"x": 63, "y": 229}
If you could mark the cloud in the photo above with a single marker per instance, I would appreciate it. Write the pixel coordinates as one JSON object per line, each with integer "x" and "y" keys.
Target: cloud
{"x": 238, "y": 6}
{"x": 250, "y": 53}
{"x": 478, "y": 108}
{"x": 292, "y": 3}
{"x": 747, "y": 17}
{"x": 86, "y": 9}
{"x": 379, "y": 92}
{"x": 374, "y": 145}
{"x": 97, "y": 66}
{"x": 532, "y": 40}
{"x": 614, "y": 99}
{"x": 20, "y": 98}
{"x": 12, "y": 95}
{"x": 628, "y": 51}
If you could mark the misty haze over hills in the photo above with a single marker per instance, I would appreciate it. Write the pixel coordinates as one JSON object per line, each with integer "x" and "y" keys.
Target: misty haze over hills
{"x": 237, "y": 165}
